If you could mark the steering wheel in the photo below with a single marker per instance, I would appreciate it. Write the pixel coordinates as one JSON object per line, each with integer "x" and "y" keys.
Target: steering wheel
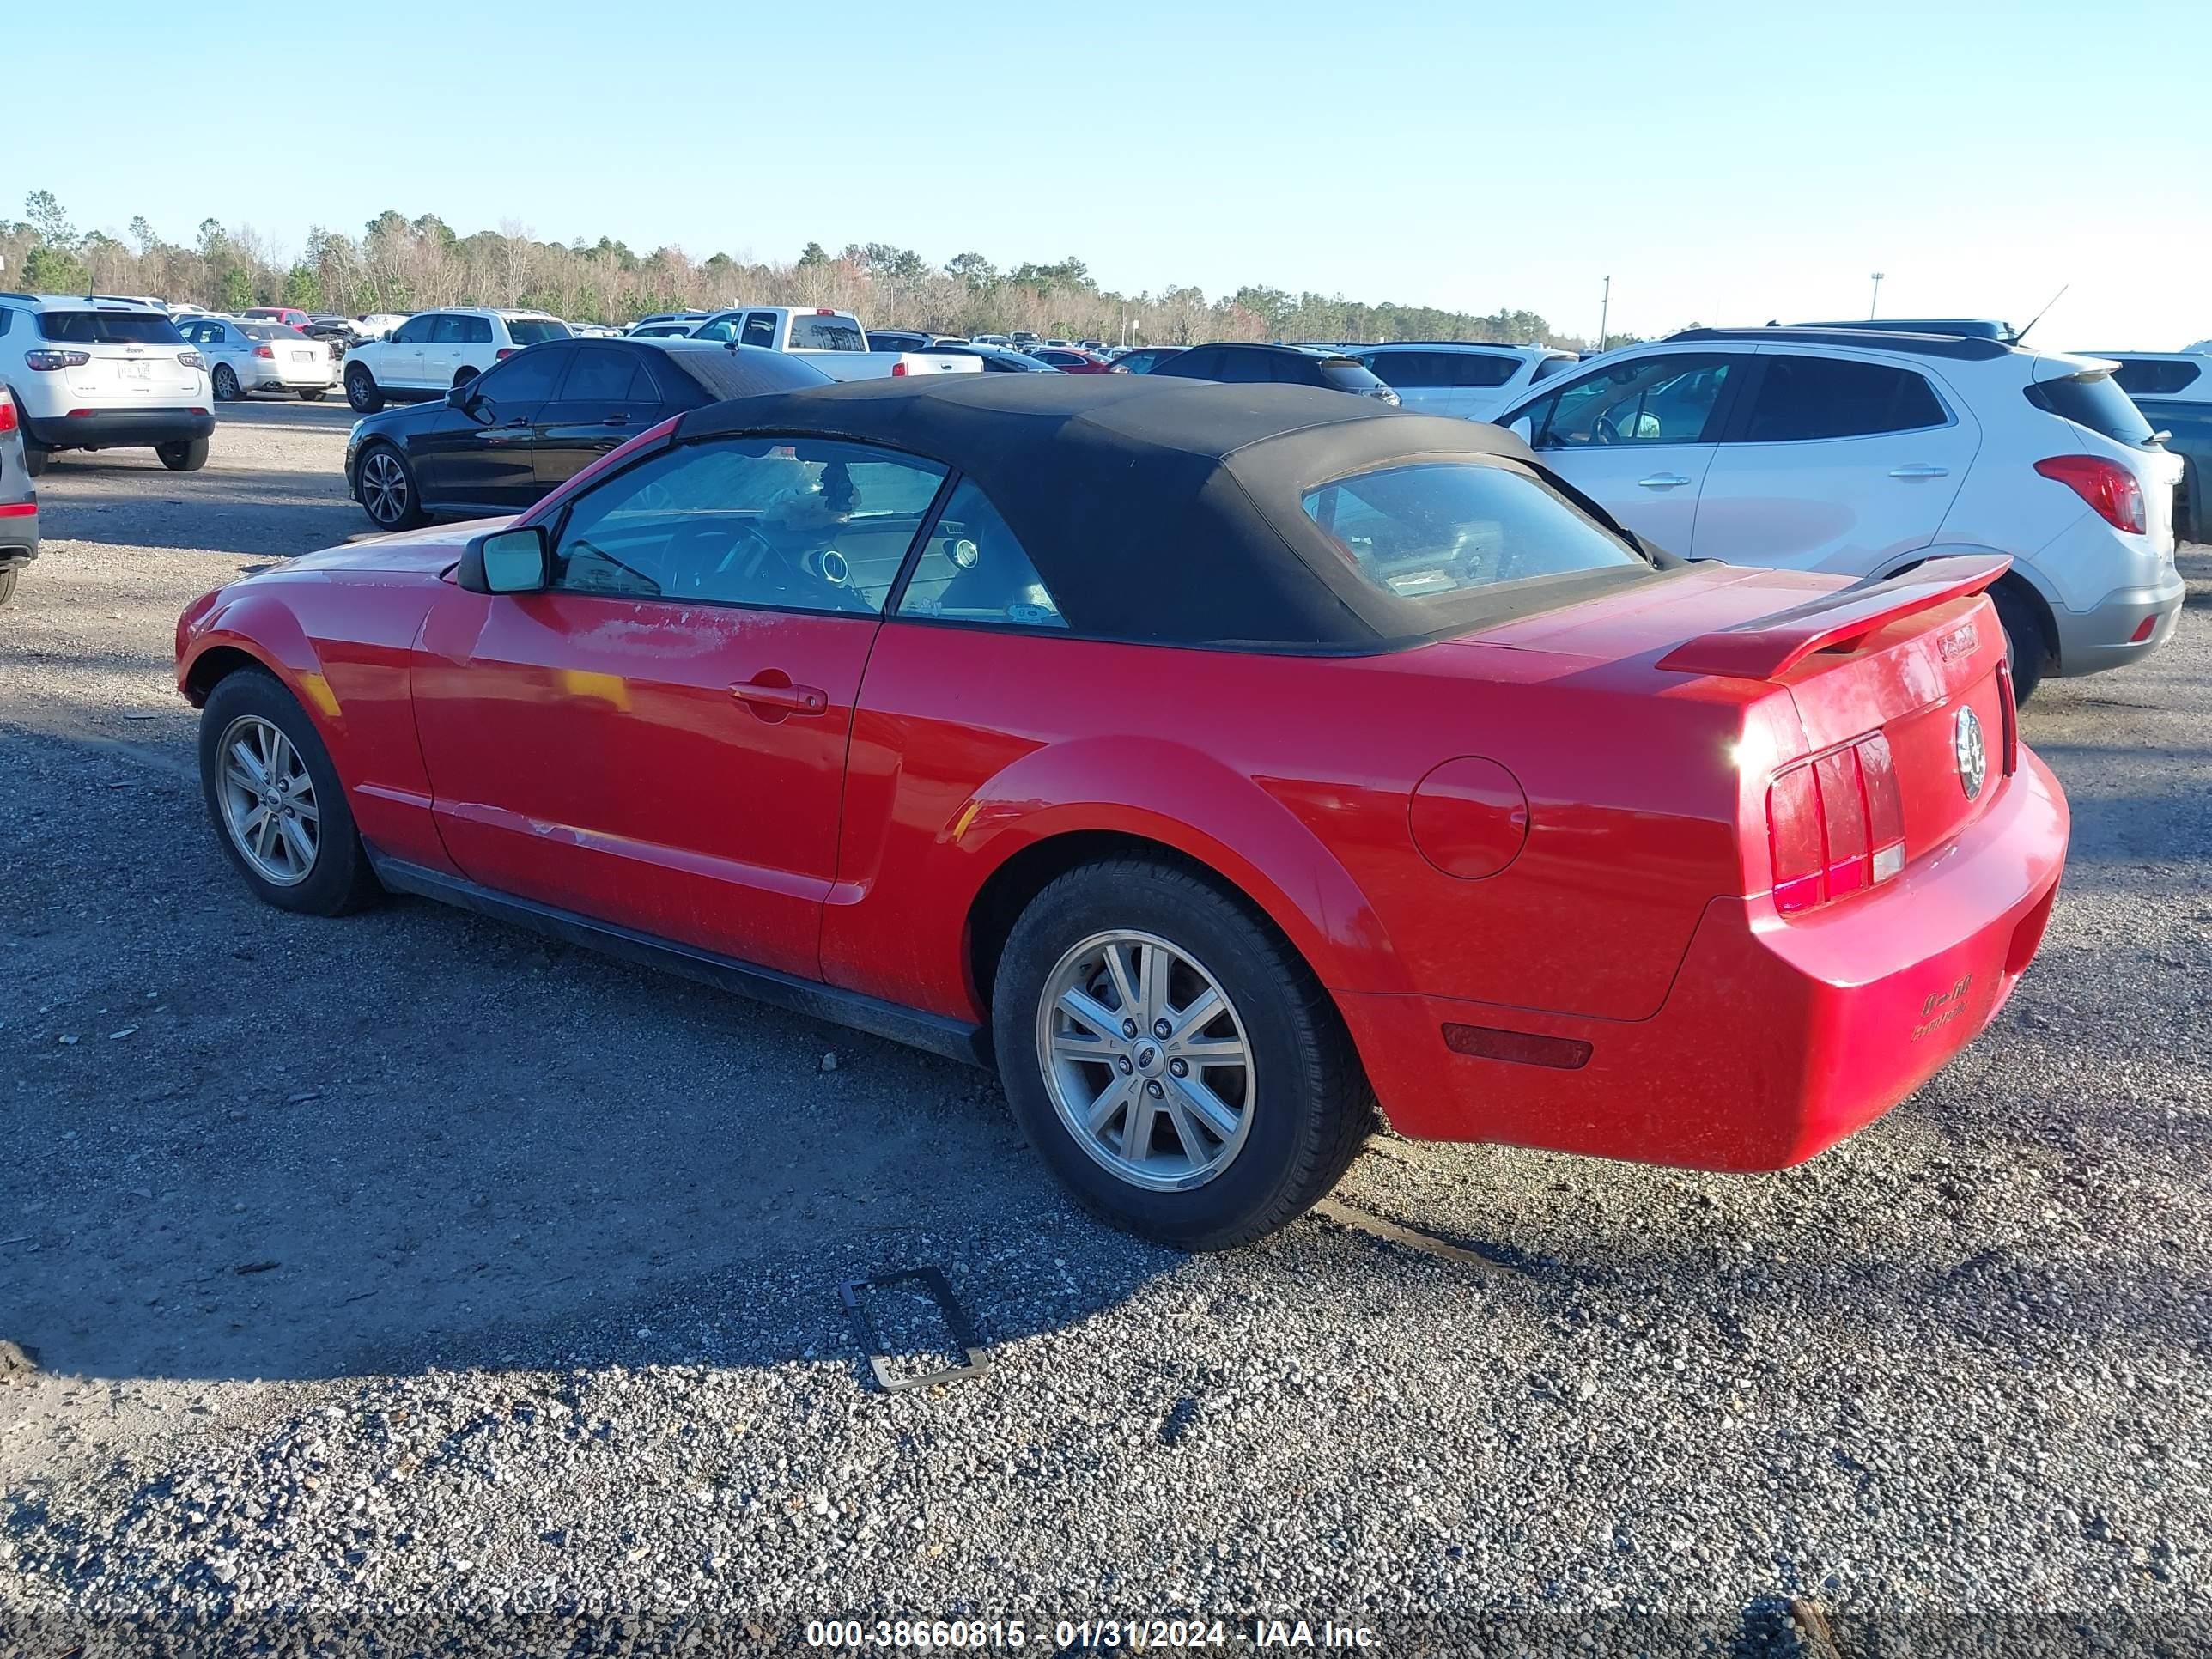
{"x": 1604, "y": 431}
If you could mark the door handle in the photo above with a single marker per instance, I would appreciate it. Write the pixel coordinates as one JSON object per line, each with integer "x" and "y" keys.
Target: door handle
{"x": 771, "y": 694}
{"x": 1920, "y": 470}
{"x": 1663, "y": 481}
{"x": 616, "y": 420}
{"x": 501, "y": 434}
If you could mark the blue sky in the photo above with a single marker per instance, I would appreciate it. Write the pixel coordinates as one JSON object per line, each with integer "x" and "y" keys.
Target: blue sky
{"x": 1722, "y": 162}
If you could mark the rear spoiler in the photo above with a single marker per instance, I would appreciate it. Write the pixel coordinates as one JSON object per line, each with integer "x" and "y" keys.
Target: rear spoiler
{"x": 1773, "y": 645}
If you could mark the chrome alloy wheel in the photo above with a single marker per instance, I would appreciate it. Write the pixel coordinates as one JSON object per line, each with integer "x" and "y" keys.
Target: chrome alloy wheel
{"x": 269, "y": 801}
{"x": 384, "y": 487}
{"x": 1146, "y": 1059}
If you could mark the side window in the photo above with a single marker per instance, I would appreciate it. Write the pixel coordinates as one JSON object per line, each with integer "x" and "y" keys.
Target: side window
{"x": 2151, "y": 377}
{"x": 7, "y": 318}
{"x": 722, "y": 328}
{"x": 527, "y": 377}
{"x": 973, "y": 570}
{"x": 1483, "y": 368}
{"x": 449, "y": 330}
{"x": 479, "y": 331}
{"x": 760, "y": 329}
{"x": 1802, "y": 398}
{"x": 800, "y": 524}
{"x": 414, "y": 332}
{"x": 216, "y": 334}
{"x": 602, "y": 377}
{"x": 1666, "y": 400}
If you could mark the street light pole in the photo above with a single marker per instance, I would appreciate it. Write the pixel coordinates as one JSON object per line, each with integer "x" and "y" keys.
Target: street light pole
{"x": 1604, "y": 307}
{"x": 1873, "y": 304}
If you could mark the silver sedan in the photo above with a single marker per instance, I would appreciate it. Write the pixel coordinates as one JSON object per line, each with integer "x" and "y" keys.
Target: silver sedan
{"x": 243, "y": 356}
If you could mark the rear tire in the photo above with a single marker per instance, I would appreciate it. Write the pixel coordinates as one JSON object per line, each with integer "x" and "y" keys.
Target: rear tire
{"x": 312, "y": 396}
{"x": 1232, "y": 1149}
{"x": 464, "y": 374}
{"x": 34, "y": 458}
{"x": 335, "y": 875}
{"x": 2027, "y": 654}
{"x": 7, "y": 584}
{"x": 226, "y": 384}
{"x": 362, "y": 392}
{"x": 188, "y": 455}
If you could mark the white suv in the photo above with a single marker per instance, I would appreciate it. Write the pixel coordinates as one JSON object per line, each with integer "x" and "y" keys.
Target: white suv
{"x": 92, "y": 373}
{"x": 433, "y": 351}
{"x": 1866, "y": 453}
{"x": 1452, "y": 377}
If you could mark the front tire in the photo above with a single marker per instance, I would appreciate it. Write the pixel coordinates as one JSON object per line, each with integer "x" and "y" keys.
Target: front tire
{"x": 386, "y": 488}
{"x": 362, "y": 392}
{"x": 1234, "y": 1123}
{"x": 277, "y": 802}
{"x": 187, "y": 455}
{"x": 226, "y": 384}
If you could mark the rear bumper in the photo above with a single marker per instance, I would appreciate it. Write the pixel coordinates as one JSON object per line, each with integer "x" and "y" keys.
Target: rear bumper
{"x": 119, "y": 429}
{"x": 2104, "y": 637}
{"x": 293, "y": 377}
{"x": 1778, "y": 1039}
{"x": 19, "y": 533}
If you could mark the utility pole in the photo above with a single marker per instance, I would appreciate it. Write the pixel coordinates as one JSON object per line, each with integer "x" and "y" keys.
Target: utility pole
{"x": 1874, "y": 303}
{"x": 1604, "y": 307}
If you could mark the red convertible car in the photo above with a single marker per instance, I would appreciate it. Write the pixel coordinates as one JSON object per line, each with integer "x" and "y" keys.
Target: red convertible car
{"x": 1216, "y": 760}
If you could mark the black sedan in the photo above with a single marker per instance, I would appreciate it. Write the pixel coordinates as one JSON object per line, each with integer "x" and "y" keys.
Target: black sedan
{"x": 527, "y": 425}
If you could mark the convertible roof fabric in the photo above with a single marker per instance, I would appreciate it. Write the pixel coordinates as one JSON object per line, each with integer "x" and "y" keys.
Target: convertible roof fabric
{"x": 1159, "y": 510}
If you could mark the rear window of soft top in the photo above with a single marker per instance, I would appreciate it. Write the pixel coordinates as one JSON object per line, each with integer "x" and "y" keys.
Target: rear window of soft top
{"x": 1434, "y": 529}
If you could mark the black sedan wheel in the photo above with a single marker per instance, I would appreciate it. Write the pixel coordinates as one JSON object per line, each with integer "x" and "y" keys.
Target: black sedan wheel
{"x": 386, "y": 488}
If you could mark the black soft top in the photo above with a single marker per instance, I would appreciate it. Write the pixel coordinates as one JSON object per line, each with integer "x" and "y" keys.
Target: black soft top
{"x": 1167, "y": 511}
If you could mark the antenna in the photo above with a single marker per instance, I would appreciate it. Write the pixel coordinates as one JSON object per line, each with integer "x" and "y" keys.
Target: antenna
{"x": 2038, "y": 316}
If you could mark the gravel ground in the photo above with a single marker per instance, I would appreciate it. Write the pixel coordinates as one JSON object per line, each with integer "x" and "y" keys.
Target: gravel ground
{"x": 406, "y": 1270}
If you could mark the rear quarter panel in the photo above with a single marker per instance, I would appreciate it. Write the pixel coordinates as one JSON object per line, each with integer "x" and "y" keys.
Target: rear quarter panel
{"x": 1291, "y": 778}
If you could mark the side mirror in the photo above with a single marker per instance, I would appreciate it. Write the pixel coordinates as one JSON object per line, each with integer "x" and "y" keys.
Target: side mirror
{"x": 463, "y": 396}
{"x": 506, "y": 561}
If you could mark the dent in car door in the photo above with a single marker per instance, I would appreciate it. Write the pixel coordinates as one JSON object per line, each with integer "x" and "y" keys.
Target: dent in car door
{"x": 1833, "y": 463}
{"x": 1639, "y": 436}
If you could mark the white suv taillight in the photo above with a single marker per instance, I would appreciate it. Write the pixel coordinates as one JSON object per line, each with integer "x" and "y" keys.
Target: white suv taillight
{"x": 2108, "y": 487}
{"x": 47, "y": 361}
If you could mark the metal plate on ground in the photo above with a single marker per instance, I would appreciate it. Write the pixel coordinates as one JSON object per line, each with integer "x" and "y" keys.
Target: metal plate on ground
{"x": 932, "y": 1282}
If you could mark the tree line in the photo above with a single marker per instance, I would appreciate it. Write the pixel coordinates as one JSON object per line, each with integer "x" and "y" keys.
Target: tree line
{"x": 399, "y": 264}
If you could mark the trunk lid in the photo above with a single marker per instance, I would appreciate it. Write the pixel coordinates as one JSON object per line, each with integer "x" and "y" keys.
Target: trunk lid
{"x": 1903, "y": 661}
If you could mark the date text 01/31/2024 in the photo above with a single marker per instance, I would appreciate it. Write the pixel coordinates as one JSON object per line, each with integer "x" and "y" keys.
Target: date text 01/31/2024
{"x": 1085, "y": 1635}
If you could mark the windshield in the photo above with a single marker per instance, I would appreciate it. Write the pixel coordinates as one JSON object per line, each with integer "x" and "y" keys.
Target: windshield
{"x": 1438, "y": 528}
{"x": 532, "y": 330}
{"x": 813, "y": 332}
{"x": 108, "y": 328}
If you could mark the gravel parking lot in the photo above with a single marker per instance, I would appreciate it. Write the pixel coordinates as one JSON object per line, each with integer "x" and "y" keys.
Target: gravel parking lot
{"x": 406, "y": 1266}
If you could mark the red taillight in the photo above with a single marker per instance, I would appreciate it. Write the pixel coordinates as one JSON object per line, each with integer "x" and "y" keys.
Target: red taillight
{"x": 18, "y": 509}
{"x": 264, "y": 351}
{"x": 824, "y": 311}
{"x": 505, "y": 352}
{"x": 1835, "y": 825}
{"x": 6, "y": 414}
{"x": 46, "y": 362}
{"x": 1793, "y": 834}
{"x": 2009, "y": 709}
{"x": 2107, "y": 486}
{"x": 898, "y": 368}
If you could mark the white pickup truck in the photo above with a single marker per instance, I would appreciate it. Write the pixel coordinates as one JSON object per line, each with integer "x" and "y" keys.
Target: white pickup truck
{"x": 833, "y": 341}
